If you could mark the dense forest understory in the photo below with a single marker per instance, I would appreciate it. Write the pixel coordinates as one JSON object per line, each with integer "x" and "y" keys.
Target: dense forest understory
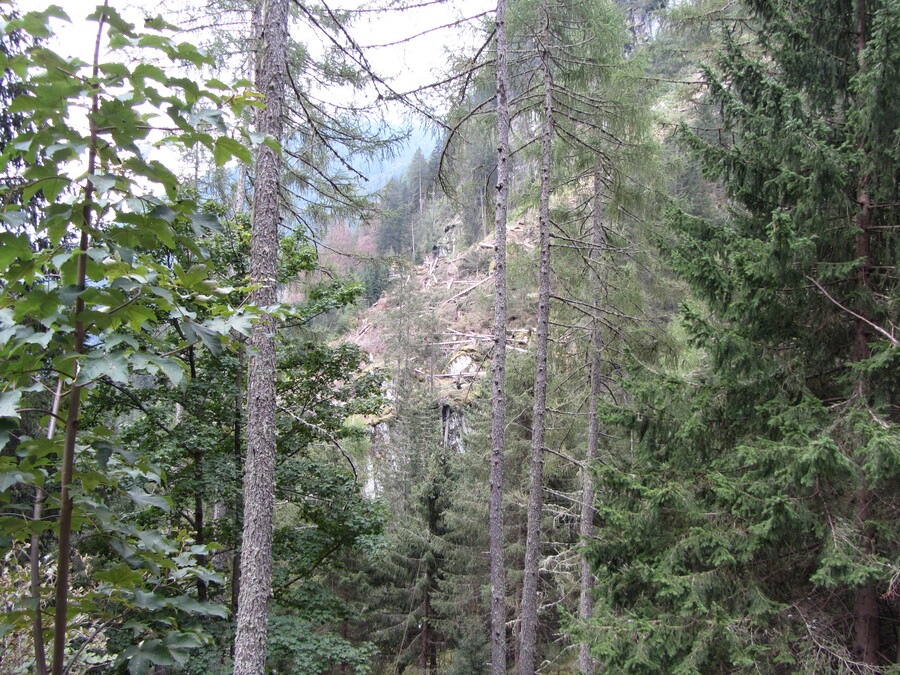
{"x": 576, "y": 352}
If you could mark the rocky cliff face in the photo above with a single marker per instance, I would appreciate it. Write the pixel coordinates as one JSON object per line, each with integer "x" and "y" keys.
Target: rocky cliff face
{"x": 435, "y": 322}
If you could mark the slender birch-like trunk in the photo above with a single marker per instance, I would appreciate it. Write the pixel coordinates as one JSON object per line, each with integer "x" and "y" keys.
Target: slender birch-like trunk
{"x": 528, "y": 621}
{"x": 259, "y": 472}
{"x": 498, "y": 365}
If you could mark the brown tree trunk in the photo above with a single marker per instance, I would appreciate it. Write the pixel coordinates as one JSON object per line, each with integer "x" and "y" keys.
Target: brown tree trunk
{"x": 585, "y": 599}
{"x": 528, "y": 621}
{"x": 498, "y": 365}
{"x": 63, "y": 560}
{"x": 259, "y": 474}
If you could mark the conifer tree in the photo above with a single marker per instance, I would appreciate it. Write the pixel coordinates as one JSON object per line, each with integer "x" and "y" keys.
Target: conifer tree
{"x": 529, "y": 618}
{"x": 498, "y": 364}
{"x": 577, "y": 51}
{"x": 259, "y": 481}
{"x": 766, "y": 499}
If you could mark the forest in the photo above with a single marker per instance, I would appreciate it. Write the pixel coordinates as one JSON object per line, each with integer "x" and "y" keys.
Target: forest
{"x": 423, "y": 337}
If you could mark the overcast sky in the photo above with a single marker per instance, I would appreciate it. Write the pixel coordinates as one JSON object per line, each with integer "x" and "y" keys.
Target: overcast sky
{"x": 410, "y": 64}
{"x": 414, "y": 62}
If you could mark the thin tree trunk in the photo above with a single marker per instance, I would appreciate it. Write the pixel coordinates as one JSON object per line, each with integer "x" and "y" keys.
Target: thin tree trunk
{"x": 866, "y": 641}
{"x": 426, "y": 624}
{"x": 238, "y": 462}
{"x": 585, "y": 599}
{"x": 498, "y": 365}
{"x": 40, "y": 656}
{"x": 528, "y": 621}
{"x": 259, "y": 475}
{"x": 63, "y": 560}
{"x": 197, "y": 457}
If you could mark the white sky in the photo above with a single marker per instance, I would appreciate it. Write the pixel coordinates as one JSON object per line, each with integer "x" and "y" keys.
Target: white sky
{"x": 408, "y": 65}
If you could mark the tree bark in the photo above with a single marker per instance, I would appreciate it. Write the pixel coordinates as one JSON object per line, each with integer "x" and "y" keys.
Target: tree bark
{"x": 866, "y": 640}
{"x": 586, "y": 529}
{"x": 528, "y": 621}
{"x": 259, "y": 474}
{"x": 498, "y": 365}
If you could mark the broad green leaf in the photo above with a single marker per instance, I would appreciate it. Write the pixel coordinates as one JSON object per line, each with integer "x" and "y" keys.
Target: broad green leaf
{"x": 210, "y": 339}
{"x": 14, "y": 218}
{"x": 104, "y": 452}
{"x": 120, "y": 575}
{"x": 146, "y": 70}
{"x": 196, "y": 274}
{"x": 114, "y": 366}
{"x": 9, "y": 402}
{"x": 226, "y": 148}
{"x": 188, "y": 604}
{"x": 206, "y": 221}
{"x": 164, "y": 212}
{"x": 158, "y": 23}
{"x": 104, "y": 182}
{"x": 171, "y": 368}
{"x": 10, "y": 478}
{"x": 142, "y": 498}
{"x": 113, "y": 18}
{"x": 13, "y": 246}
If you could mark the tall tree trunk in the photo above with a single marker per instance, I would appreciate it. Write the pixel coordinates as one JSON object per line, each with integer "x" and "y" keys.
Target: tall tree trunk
{"x": 259, "y": 474}
{"x": 498, "y": 365}
{"x": 585, "y": 599}
{"x": 865, "y": 604}
{"x": 528, "y": 621}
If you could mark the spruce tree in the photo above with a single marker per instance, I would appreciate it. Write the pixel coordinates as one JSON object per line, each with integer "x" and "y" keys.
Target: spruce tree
{"x": 756, "y": 526}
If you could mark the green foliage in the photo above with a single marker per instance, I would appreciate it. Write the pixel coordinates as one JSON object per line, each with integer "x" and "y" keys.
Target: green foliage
{"x": 115, "y": 213}
{"x": 295, "y": 646}
{"x": 759, "y": 500}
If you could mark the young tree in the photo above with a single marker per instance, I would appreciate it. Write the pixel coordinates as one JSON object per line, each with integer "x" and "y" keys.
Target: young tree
{"x": 82, "y": 294}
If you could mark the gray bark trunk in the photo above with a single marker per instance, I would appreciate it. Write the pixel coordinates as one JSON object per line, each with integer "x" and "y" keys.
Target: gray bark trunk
{"x": 259, "y": 473}
{"x": 585, "y": 600}
{"x": 866, "y": 621}
{"x": 528, "y": 623}
{"x": 498, "y": 366}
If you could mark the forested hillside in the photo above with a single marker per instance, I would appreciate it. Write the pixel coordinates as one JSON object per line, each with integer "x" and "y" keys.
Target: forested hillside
{"x": 598, "y": 374}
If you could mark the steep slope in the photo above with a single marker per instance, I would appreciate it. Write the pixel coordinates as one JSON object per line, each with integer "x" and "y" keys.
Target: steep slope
{"x": 439, "y": 313}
